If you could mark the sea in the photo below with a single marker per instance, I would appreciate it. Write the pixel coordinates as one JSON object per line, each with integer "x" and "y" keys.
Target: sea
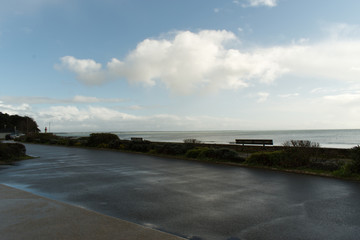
{"x": 340, "y": 138}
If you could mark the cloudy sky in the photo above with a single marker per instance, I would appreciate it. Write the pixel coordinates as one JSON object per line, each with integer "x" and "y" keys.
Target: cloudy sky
{"x": 117, "y": 65}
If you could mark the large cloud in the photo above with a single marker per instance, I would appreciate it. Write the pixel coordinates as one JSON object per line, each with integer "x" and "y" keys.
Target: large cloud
{"x": 187, "y": 62}
{"x": 204, "y": 61}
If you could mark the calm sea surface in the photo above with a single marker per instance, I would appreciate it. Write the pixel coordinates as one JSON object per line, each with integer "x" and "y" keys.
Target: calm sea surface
{"x": 326, "y": 138}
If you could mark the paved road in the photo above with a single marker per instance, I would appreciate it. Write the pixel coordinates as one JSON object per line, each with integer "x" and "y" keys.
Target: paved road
{"x": 190, "y": 199}
{"x": 26, "y": 216}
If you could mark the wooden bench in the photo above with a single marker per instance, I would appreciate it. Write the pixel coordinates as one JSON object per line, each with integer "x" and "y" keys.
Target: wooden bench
{"x": 254, "y": 141}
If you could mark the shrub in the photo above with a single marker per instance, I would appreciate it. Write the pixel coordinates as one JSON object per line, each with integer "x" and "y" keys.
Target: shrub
{"x": 143, "y": 146}
{"x": 226, "y": 154}
{"x": 270, "y": 159}
{"x": 171, "y": 148}
{"x": 82, "y": 141}
{"x": 345, "y": 171}
{"x": 11, "y": 151}
{"x": 97, "y": 139}
{"x": 301, "y": 144}
{"x": 326, "y": 164}
{"x": 47, "y": 138}
{"x": 208, "y": 153}
{"x": 115, "y": 144}
{"x": 355, "y": 155}
{"x": 196, "y": 152}
{"x": 299, "y": 152}
{"x": 221, "y": 154}
{"x": 103, "y": 145}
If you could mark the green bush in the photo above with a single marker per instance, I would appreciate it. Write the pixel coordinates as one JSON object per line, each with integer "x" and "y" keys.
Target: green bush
{"x": 345, "y": 171}
{"x": 97, "y": 139}
{"x": 226, "y": 154}
{"x": 301, "y": 144}
{"x": 82, "y": 141}
{"x": 220, "y": 154}
{"x": 196, "y": 152}
{"x": 143, "y": 146}
{"x": 208, "y": 153}
{"x": 326, "y": 164}
{"x": 270, "y": 159}
{"x": 47, "y": 138}
{"x": 171, "y": 148}
{"x": 299, "y": 152}
{"x": 11, "y": 151}
{"x": 355, "y": 155}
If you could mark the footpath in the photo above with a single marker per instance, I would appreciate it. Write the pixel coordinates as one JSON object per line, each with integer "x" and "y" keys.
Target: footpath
{"x": 27, "y": 216}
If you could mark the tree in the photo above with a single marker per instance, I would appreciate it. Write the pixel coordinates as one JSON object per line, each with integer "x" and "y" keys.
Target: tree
{"x": 22, "y": 124}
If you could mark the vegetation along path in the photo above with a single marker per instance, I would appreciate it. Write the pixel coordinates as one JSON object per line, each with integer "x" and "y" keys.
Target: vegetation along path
{"x": 192, "y": 199}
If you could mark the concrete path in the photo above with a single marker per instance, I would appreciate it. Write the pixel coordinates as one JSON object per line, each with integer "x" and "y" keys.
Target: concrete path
{"x": 27, "y": 216}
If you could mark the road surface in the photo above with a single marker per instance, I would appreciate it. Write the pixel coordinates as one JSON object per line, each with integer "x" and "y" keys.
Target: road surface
{"x": 195, "y": 200}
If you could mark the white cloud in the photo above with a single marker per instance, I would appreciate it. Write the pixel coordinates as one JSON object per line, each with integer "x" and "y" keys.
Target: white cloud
{"x": 256, "y": 3}
{"x": 135, "y": 107}
{"x": 263, "y": 96}
{"x": 72, "y": 118}
{"x": 289, "y": 95}
{"x": 287, "y": 115}
{"x": 344, "y": 98}
{"x": 85, "y": 99}
{"x": 340, "y": 110}
{"x": 327, "y": 59}
{"x": 14, "y": 108}
{"x": 200, "y": 62}
{"x": 48, "y": 100}
{"x": 188, "y": 62}
{"x": 108, "y": 114}
{"x": 342, "y": 30}
{"x": 87, "y": 70}
{"x": 65, "y": 114}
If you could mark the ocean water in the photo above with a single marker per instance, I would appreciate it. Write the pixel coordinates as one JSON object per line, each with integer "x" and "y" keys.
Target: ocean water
{"x": 346, "y": 138}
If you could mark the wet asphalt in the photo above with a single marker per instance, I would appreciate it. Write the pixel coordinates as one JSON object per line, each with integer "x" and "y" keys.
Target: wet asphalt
{"x": 191, "y": 199}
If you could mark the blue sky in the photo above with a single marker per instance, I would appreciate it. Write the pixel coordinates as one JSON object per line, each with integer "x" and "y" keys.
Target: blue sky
{"x": 117, "y": 65}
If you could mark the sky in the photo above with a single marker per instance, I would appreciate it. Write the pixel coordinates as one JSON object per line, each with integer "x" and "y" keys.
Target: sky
{"x": 181, "y": 65}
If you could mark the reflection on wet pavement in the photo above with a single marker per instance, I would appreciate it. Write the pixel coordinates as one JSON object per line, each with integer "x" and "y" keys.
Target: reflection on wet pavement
{"x": 192, "y": 199}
